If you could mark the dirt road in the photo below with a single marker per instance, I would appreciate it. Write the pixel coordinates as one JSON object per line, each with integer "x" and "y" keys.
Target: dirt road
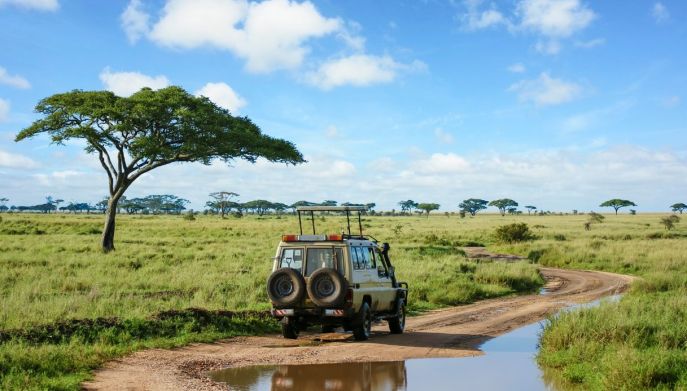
{"x": 452, "y": 332}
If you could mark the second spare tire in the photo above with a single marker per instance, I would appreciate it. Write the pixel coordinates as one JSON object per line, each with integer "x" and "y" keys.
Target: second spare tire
{"x": 327, "y": 288}
{"x": 286, "y": 287}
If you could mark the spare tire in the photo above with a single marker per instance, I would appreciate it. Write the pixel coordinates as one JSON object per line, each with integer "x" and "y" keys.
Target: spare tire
{"x": 285, "y": 287}
{"x": 327, "y": 288}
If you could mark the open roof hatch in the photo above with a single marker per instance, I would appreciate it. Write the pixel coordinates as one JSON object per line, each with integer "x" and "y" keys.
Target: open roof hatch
{"x": 345, "y": 209}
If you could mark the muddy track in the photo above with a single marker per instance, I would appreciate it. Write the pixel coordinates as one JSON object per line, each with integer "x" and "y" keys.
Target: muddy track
{"x": 452, "y": 332}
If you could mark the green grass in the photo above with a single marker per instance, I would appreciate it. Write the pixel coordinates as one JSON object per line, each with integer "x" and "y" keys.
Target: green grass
{"x": 65, "y": 307}
{"x": 637, "y": 343}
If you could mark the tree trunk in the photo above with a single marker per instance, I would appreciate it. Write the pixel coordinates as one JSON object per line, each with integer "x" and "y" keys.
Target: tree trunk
{"x": 109, "y": 229}
{"x": 110, "y": 214}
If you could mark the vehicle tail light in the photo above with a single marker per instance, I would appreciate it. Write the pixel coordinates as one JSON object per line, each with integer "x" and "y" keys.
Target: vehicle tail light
{"x": 289, "y": 238}
{"x": 349, "y": 297}
{"x": 335, "y": 237}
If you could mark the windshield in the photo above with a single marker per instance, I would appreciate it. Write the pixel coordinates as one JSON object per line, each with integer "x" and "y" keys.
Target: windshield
{"x": 323, "y": 257}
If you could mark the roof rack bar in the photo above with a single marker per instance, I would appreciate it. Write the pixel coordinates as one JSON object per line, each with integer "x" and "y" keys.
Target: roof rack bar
{"x": 312, "y": 217}
{"x": 300, "y": 223}
{"x": 360, "y": 224}
{"x": 348, "y": 220}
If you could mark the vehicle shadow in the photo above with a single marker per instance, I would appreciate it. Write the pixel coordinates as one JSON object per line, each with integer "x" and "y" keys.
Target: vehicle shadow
{"x": 434, "y": 340}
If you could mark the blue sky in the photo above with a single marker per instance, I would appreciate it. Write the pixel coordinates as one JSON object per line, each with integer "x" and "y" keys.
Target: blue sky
{"x": 555, "y": 103}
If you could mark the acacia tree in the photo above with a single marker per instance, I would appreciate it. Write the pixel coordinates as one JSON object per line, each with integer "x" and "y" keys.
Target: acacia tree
{"x": 427, "y": 207}
{"x": 473, "y": 205}
{"x": 503, "y": 205}
{"x": 150, "y": 129}
{"x": 679, "y": 207}
{"x": 617, "y": 203}
{"x": 222, "y": 200}
{"x": 530, "y": 208}
{"x": 408, "y": 205}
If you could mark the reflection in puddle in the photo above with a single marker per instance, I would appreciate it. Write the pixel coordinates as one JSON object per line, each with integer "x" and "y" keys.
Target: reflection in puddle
{"x": 368, "y": 376}
{"x": 508, "y": 363}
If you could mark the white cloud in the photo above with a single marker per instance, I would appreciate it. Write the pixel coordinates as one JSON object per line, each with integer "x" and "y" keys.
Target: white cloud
{"x": 546, "y": 90}
{"x": 39, "y": 5}
{"x": 591, "y": 43}
{"x": 4, "y": 110}
{"x": 440, "y": 163}
{"x": 135, "y": 21}
{"x": 478, "y": 20}
{"x": 127, "y": 83}
{"x": 359, "y": 70}
{"x": 443, "y": 136}
{"x": 551, "y": 46}
{"x": 223, "y": 95}
{"x": 269, "y": 35}
{"x": 517, "y": 68}
{"x": 554, "y": 18}
{"x": 660, "y": 12}
{"x": 13, "y": 80}
{"x": 13, "y": 160}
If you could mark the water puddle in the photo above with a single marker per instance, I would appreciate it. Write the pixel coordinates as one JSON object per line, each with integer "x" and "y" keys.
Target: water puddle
{"x": 508, "y": 363}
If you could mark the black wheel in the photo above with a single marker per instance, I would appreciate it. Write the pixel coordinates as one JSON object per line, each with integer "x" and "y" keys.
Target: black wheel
{"x": 285, "y": 287}
{"x": 327, "y": 288}
{"x": 363, "y": 327}
{"x": 289, "y": 329}
{"x": 398, "y": 323}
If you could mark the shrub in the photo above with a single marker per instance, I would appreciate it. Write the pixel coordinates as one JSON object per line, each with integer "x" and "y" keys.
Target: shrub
{"x": 559, "y": 237}
{"x": 516, "y": 232}
{"x": 189, "y": 216}
{"x": 670, "y": 221}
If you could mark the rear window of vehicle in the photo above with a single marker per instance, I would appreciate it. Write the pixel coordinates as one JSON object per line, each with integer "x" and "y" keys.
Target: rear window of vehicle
{"x": 292, "y": 257}
{"x": 323, "y": 257}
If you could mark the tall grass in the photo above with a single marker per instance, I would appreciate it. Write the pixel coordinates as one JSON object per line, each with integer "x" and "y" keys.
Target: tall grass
{"x": 53, "y": 271}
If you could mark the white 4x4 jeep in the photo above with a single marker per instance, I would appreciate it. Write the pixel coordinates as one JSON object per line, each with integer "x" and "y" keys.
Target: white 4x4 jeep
{"x": 335, "y": 280}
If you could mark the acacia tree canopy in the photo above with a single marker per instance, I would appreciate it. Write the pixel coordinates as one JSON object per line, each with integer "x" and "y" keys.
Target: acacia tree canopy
{"x": 428, "y": 207}
{"x": 503, "y": 204}
{"x": 679, "y": 207}
{"x": 473, "y": 205}
{"x": 150, "y": 129}
{"x": 617, "y": 203}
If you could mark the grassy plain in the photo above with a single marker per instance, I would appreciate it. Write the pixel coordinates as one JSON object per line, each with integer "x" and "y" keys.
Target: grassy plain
{"x": 65, "y": 307}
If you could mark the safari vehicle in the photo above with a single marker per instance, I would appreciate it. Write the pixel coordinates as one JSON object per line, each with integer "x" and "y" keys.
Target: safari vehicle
{"x": 335, "y": 280}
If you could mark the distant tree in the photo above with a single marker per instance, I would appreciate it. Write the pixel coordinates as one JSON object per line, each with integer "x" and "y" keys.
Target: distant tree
{"x": 221, "y": 200}
{"x": 150, "y": 129}
{"x": 328, "y": 203}
{"x": 670, "y": 221}
{"x": 473, "y": 205}
{"x": 427, "y": 207}
{"x": 530, "y": 208}
{"x": 279, "y": 207}
{"x": 503, "y": 205}
{"x": 513, "y": 211}
{"x": 258, "y": 206}
{"x": 679, "y": 207}
{"x": 3, "y": 201}
{"x": 633, "y": 212}
{"x": 301, "y": 203}
{"x": 407, "y": 206}
{"x": 617, "y": 203}
{"x": 596, "y": 217}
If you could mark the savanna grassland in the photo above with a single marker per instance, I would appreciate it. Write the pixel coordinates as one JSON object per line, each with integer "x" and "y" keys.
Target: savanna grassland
{"x": 66, "y": 307}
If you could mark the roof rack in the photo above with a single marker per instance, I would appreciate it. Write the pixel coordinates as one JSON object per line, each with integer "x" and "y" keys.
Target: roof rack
{"x": 345, "y": 209}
